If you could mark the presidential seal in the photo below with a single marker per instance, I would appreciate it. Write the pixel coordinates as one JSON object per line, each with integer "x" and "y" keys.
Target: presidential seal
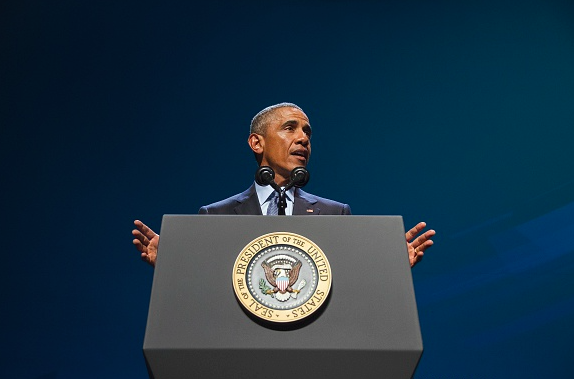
{"x": 281, "y": 277}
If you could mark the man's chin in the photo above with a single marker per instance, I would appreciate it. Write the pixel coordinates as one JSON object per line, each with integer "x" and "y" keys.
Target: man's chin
{"x": 295, "y": 166}
{"x": 299, "y": 162}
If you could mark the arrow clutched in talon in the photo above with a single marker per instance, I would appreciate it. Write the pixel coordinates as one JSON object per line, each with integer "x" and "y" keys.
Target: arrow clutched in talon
{"x": 302, "y": 284}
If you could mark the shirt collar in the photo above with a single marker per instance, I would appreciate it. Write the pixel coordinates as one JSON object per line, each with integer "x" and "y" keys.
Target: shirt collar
{"x": 264, "y": 192}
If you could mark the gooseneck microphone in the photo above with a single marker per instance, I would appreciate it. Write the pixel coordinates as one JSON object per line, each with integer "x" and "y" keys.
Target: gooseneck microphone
{"x": 265, "y": 176}
{"x": 299, "y": 178}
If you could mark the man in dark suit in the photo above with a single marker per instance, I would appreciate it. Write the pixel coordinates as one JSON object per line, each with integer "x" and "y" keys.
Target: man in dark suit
{"x": 280, "y": 138}
{"x": 246, "y": 203}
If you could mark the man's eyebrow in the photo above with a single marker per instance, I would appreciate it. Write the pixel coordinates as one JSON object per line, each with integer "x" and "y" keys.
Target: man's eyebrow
{"x": 295, "y": 122}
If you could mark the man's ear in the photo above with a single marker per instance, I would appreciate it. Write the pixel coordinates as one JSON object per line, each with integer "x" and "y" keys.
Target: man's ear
{"x": 256, "y": 143}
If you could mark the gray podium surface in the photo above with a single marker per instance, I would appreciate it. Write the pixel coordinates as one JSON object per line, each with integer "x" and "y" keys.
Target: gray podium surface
{"x": 197, "y": 329}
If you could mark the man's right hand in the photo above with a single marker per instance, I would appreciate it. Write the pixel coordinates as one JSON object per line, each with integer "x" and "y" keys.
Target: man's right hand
{"x": 146, "y": 241}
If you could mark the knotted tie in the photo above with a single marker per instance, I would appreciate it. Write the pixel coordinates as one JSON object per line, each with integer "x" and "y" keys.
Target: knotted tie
{"x": 273, "y": 208}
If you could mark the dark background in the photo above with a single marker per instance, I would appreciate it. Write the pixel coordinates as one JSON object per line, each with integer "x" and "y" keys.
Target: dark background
{"x": 460, "y": 114}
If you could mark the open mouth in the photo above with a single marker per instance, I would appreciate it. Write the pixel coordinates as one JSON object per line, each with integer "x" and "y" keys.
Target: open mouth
{"x": 302, "y": 154}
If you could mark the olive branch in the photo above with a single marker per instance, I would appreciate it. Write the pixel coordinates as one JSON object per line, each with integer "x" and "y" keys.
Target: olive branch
{"x": 263, "y": 287}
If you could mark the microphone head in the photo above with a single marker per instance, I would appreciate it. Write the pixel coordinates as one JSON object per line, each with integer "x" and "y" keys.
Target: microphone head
{"x": 264, "y": 175}
{"x": 300, "y": 176}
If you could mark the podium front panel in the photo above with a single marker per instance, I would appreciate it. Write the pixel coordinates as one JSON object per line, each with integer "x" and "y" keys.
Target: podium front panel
{"x": 197, "y": 328}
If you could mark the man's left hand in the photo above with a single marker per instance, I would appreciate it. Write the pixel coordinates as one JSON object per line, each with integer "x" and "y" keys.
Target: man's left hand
{"x": 416, "y": 246}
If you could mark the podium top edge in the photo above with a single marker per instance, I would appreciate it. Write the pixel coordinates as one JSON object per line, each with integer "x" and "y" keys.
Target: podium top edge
{"x": 306, "y": 216}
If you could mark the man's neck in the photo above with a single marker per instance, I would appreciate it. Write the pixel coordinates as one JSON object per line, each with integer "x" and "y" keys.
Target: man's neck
{"x": 281, "y": 182}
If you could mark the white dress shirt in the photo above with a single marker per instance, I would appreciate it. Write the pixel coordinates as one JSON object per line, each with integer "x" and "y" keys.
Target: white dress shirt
{"x": 263, "y": 195}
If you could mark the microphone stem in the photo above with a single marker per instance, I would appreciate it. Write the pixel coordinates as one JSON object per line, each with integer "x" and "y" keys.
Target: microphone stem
{"x": 282, "y": 203}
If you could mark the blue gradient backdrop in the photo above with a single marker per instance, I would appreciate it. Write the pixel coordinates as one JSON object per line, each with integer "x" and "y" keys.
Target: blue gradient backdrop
{"x": 460, "y": 114}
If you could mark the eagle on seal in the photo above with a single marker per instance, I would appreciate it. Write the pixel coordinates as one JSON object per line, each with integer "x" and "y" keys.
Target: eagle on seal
{"x": 282, "y": 272}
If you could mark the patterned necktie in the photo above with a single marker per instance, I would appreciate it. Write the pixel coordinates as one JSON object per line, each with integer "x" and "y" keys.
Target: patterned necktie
{"x": 273, "y": 208}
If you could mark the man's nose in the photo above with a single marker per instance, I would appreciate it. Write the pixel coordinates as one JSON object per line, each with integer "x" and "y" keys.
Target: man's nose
{"x": 302, "y": 138}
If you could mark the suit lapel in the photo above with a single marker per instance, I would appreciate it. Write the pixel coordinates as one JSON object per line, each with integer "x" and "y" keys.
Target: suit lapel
{"x": 248, "y": 202}
{"x": 305, "y": 204}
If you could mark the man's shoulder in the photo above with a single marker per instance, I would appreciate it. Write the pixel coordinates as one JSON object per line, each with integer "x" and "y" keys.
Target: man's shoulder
{"x": 245, "y": 201}
{"x": 316, "y": 199}
{"x": 322, "y": 205}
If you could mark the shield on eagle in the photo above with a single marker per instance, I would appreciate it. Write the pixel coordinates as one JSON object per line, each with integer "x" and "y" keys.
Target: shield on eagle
{"x": 282, "y": 272}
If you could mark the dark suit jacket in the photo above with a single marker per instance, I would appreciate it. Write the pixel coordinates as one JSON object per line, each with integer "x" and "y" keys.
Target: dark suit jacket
{"x": 247, "y": 203}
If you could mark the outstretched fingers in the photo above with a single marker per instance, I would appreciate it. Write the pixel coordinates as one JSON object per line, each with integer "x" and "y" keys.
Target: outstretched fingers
{"x": 415, "y": 230}
{"x": 140, "y": 246}
{"x": 417, "y": 245}
{"x": 144, "y": 229}
{"x": 139, "y": 238}
{"x": 424, "y": 241}
{"x": 146, "y": 242}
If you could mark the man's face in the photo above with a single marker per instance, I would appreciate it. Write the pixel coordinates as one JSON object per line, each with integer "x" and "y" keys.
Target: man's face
{"x": 286, "y": 143}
